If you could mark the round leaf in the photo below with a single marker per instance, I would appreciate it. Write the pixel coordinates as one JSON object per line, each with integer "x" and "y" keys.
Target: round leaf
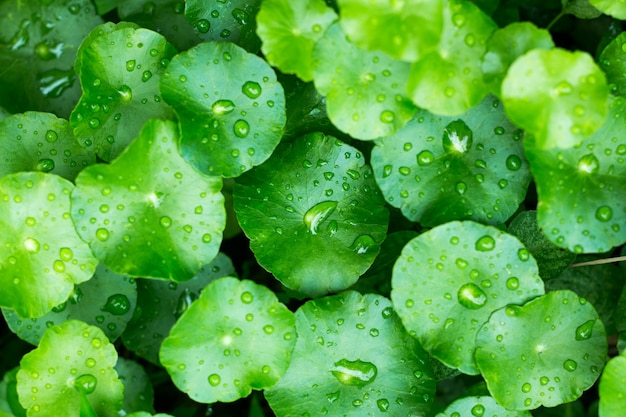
{"x": 107, "y": 301}
{"x": 478, "y": 407}
{"x": 438, "y": 168}
{"x": 120, "y": 86}
{"x": 613, "y": 388}
{"x": 35, "y": 141}
{"x": 230, "y": 106}
{"x": 449, "y": 81}
{"x": 404, "y": 30}
{"x": 222, "y": 361}
{"x": 617, "y": 9}
{"x": 149, "y": 213}
{"x": 613, "y": 63}
{"x": 353, "y": 358}
{"x": 364, "y": 90}
{"x": 160, "y": 304}
{"x": 582, "y": 190}
{"x": 329, "y": 216}
{"x": 448, "y": 281}
{"x": 546, "y": 352}
{"x": 73, "y": 360}
{"x": 138, "y": 391}
{"x": 41, "y": 256}
{"x": 559, "y": 96}
{"x": 288, "y": 41}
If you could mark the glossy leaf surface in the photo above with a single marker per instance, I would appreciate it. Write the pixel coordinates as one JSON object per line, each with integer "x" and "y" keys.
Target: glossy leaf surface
{"x": 613, "y": 63}
{"x": 613, "y": 8}
{"x": 613, "y": 388}
{"x": 478, "y": 407}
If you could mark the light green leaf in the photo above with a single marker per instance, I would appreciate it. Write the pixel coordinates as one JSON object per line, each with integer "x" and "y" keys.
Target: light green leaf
{"x": 39, "y": 244}
{"x": 478, "y": 407}
{"x": 34, "y": 141}
{"x": 107, "y": 301}
{"x": 152, "y": 320}
{"x": 288, "y": 40}
{"x": 222, "y": 361}
{"x": 617, "y": 9}
{"x": 546, "y": 352}
{"x": 120, "y": 86}
{"x": 448, "y": 281}
{"x": 365, "y": 90}
{"x": 561, "y": 97}
{"x": 405, "y": 30}
{"x": 612, "y": 388}
{"x": 149, "y": 213}
{"x": 138, "y": 391}
{"x": 315, "y": 199}
{"x": 73, "y": 360}
{"x": 449, "y": 81}
{"x": 613, "y": 62}
{"x": 230, "y": 106}
{"x": 582, "y": 190}
{"x": 353, "y": 358}
{"x": 437, "y": 168}
{"x": 9, "y": 402}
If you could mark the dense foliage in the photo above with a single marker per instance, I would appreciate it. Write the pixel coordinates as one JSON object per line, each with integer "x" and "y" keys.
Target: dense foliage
{"x": 311, "y": 208}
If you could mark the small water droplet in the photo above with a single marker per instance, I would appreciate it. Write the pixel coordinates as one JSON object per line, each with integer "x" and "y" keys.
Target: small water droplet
{"x": 461, "y": 187}
{"x": 478, "y": 410}
{"x": 247, "y": 297}
{"x": 318, "y": 214}
{"x": 570, "y": 365}
{"x": 146, "y": 76}
{"x": 526, "y": 388}
{"x": 457, "y": 137}
{"x": 130, "y": 65}
{"x": 604, "y": 213}
{"x": 86, "y": 383}
{"x": 471, "y": 296}
{"x": 363, "y": 244}
{"x": 513, "y": 162}
{"x": 214, "y": 379}
{"x": 512, "y": 283}
{"x": 387, "y": 116}
{"x": 125, "y": 93}
{"x": 425, "y": 158}
{"x": 241, "y": 128}
{"x": 584, "y": 331}
{"x": 357, "y": 373}
{"x": 117, "y": 304}
{"x": 166, "y": 221}
{"x": 203, "y": 25}
{"x": 51, "y": 136}
{"x": 251, "y": 89}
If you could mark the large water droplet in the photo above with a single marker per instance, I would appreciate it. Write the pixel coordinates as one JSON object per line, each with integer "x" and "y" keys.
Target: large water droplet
{"x": 425, "y": 158}
{"x": 583, "y": 332}
{"x": 604, "y": 213}
{"x": 126, "y": 93}
{"x": 457, "y": 137}
{"x": 318, "y": 214}
{"x": 117, "y": 304}
{"x": 570, "y": 365}
{"x": 478, "y": 410}
{"x": 251, "y": 89}
{"x": 45, "y": 165}
{"x": 184, "y": 301}
{"x": 221, "y": 107}
{"x": 54, "y": 82}
{"x": 589, "y": 164}
{"x": 513, "y": 162}
{"x": 86, "y": 383}
{"x": 383, "y": 405}
{"x": 241, "y": 128}
{"x": 471, "y": 296}
{"x": 363, "y": 244}
{"x": 203, "y": 26}
{"x": 214, "y": 379}
{"x": 357, "y": 373}
{"x": 485, "y": 244}
{"x": 102, "y": 234}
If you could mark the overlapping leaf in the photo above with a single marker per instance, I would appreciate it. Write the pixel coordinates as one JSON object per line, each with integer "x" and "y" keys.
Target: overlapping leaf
{"x": 613, "y": 388}
{"x": 613, "y": 62}
{"x": 613, "y": 8}
{"x": 478, "y": 407}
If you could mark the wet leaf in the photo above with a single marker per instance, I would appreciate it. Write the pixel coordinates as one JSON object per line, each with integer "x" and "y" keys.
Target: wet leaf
{"x": 617, "y": 9}
{"x": 329, "y": 217}
{"x": 353, "y": 358}
{"x": 613, "y": 62}
{"x": 149, "y": 213}
{"x": 138, "y": 391}
{"x": 613, "y": 388}
{"x": 212, "y": 352}
{"x": 478, "y": 407}
{"x": 582, "y": 9}
{"x": 448, "y": 281}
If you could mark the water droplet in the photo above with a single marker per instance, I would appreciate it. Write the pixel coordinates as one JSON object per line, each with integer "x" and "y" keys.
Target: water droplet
{"x": 125, "y": 93}
{"x": 240, "y": 16}
{"x": 165, "y": 221}
{"x": 45, "y": 165}
{"x": 425, "y": 158}
{"x": 31, "y": 245}
{"x": 357, "y": 373}
{"x": 523, "y": 254}
{"x": 544, "y": 380}
{"x": 513, "y": 162}
{"x": 86, "y": 383}
{"x": 117, "y": 304}
{"x": 589, "y": 164}
{"x": 485, "y": 244}
{"x": 471, "y": 296}
{"x": 563, "y": 88}
{"x": 51, "y": 136}
{"x": 94, "y": 123}
{"x": 512, "y": 283}
{"x": 604, "y": 213}
{"x": 383, "y": 405}
{"x": 206, "y": 238}
{"x": 387, "y": 116}
{"x": 66, "y": 254}
{"x": 102, "y": 234}
{"x": 478, "y": 410}
{"x": 214, "y": 379}
{"x": 130, "y": 65}
{"x": 146, "y": 76}
{"x": 461, "y": 187}
{"x": 318, "y": 214}
{"x": 353, "y": 174}
{"x": 251, "y": 89}
{"x": 458, "y": 19}
{"x": 221, "y": 107}
{"x": 363, "y": 244}
{"x": 247, "y": 297}
{"x": 203, "y": 25}
{"x": 457, "y": 137}
{"x": 241, "y": 128}
{"x": 570, "y": 365}
{"x": 184, "y": 301}
{"x": 268, "y": 329}
{"x": 583, "y": 332}
{"x": 526, "y": 387}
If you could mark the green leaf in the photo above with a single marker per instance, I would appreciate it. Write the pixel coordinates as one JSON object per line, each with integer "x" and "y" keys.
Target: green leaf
{"x": 152, "y": 320}
{"x": 559, "y": 96}
{"x": 582, "y": 9}
{"x": 437, "y": 169}
{"x": 353, "y": 358}
{"x": 405, "y": 30}
{"x": 617, "y": 9}
{"x": 107, "y": 301}
{"x": 148, "y": 213}
{"x": 315, "y": 199}
{"x": 546, "y": 352}
{"x": 138, "y": 391}
{"x": 38, "y": 43}
{"x": 145, "y": 414}
{"x": 479, "y": 406}
{"x": 227, "y": 127}
{"x": 120, "y": 86}
{"x": 288, "y": 41}
{"x": 225, "y": 21}
{"x": 613, "y": 62}
{"x": 612, "y": 388}
{"x": 506, "y": 45}
{"x": 9, "y": 402}
{"x": 3, "y": 113}
{"x": 73, "y": 360}
{"x": 223, "y": 361}
{"x": 551, "y": 259}
{"x": 448, "y": 281}
{"x": 105, "y": 6}
{"x": 365, "y": 90}
{"x": 41, "y": 256}
{"x": 34, "y": 141}
{"x": 582, "y": 190}
{"x": 449, "y": 81}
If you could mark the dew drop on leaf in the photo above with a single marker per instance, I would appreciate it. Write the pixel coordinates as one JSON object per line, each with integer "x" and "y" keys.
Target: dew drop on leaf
{"x": 45, "y": 165}
{"x": 130, "y": 65}
{"x": 589, "y": 164}
{"x": 583, "y": 332}
{"x": 221, "y": 107}
{"x": 457, "y": 137}
{"x": 513, "y": 163}
{"x": 357, "y": 373}
{"x": 362, "y": 244}
{"x": 512, "y": 283}
{"x": 383, "y": 405}
{"x": 241, "y": 128}
{"x": 203, "y": 26}
{"x": 125, "y": 93}
{"x": 604, "y": 213}
{"x": 247, "y": 297}
{"x": 86, "y": 383}
{"x": 214, "y": 379}
{"x": 425, "y": 158}
{"x": 570, "y": 365}
{"x": 478, "y": 410}
{"x": 102, "y": 234}
{"x": 51, "y": 136}
{"x": 485, "y": 244}
{"x": 318, "y": 214}
{"x": 471, "y": 296}
{"x": 251, "y": 89}
{"x": 117, "y": 304}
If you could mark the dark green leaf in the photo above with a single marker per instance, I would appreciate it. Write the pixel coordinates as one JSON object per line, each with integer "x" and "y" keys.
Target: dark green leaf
{"x": 613, "y": 62}
{"x": 138, "y": 391}
{"x": 582, "y": 9}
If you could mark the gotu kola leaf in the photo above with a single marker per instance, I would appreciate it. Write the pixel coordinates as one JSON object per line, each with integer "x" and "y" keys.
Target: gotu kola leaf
{"x": 315, "y": 199}
{"x": 230, "y": 106}
{"x": 41, "y": 255}
{"x": 478, "y": 407}
{"x": 613, "y": 62}
{"x": 613, "y": 388}
{"x": 149, "y": 213}
{"x": 613, "y": 8}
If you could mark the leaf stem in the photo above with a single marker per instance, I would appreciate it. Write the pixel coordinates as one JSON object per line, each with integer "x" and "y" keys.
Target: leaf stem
{"x": 556, "y": 19}
{"x": 600, "y": 261}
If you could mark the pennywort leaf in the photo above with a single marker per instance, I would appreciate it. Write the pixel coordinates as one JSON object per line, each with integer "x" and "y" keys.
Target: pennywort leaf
{"x": 119, "y": 67}
{"x": 149, "y": 213}
{"x": 328, "y": 215}
{"x": 613, "y": 62}
{"x": 353, "y": 358}
{"x": 73, "y": 363}
{"x": 617, "y": 9}
{"x": 222, "y": 361}
{"x": 138, "y": 390}
{"x": 613, "y": 388}
{"x": 479, "y": 406}
{"x": 39, "y": 244}
{"x": 226, "y": 127}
